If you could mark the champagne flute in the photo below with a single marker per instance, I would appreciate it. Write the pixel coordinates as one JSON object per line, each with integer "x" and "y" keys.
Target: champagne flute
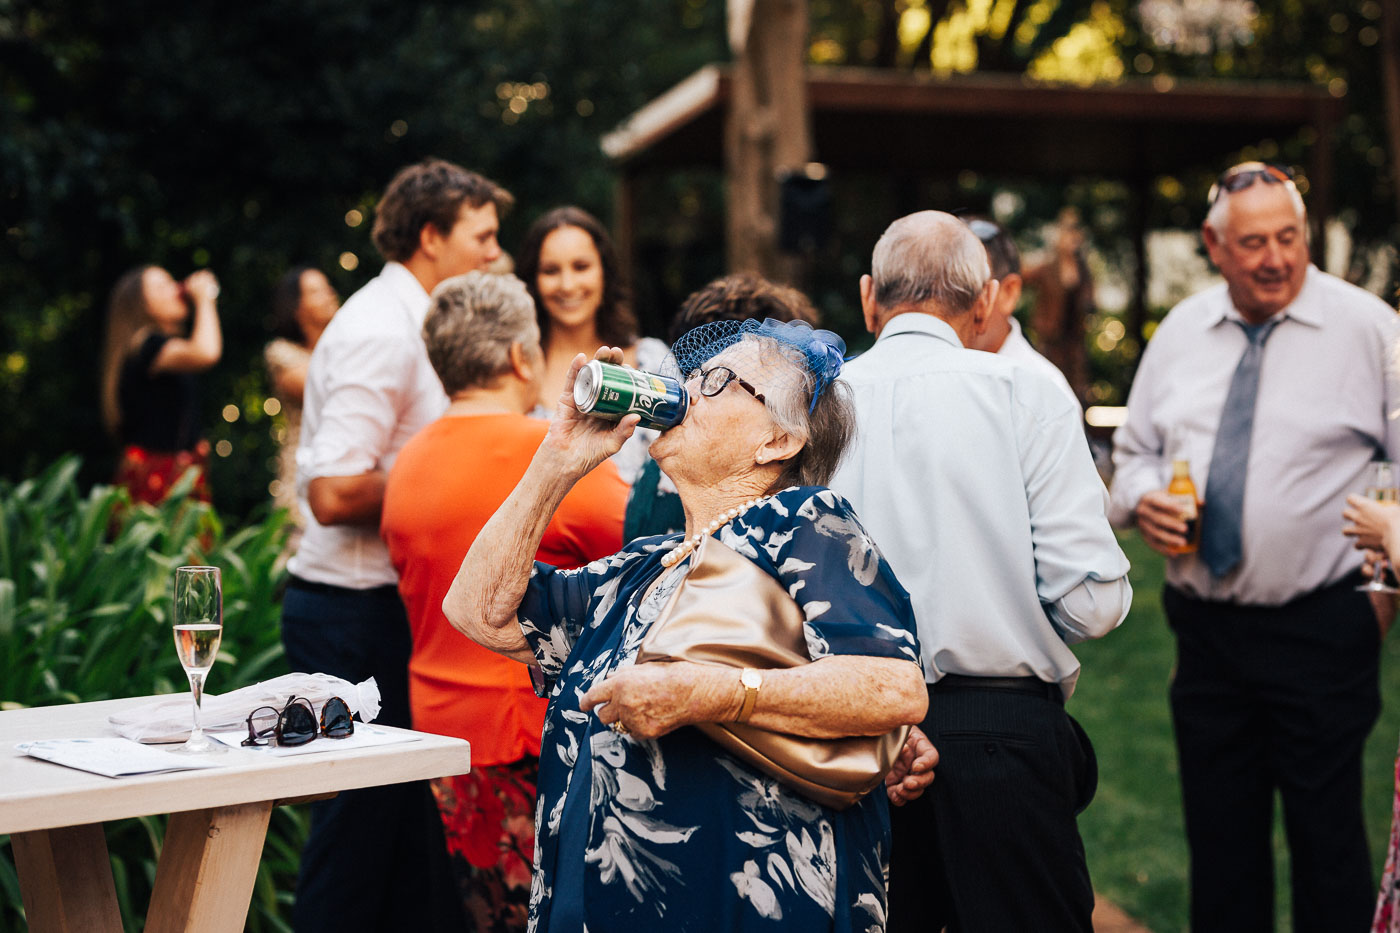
{"x": 198, "y": 627}
{"x": 1382, "y": 485}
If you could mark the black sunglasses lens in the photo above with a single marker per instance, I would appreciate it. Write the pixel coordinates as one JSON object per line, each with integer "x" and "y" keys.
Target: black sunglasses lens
{"x": 335, "y": 719}
{"x": 298, "y": 726}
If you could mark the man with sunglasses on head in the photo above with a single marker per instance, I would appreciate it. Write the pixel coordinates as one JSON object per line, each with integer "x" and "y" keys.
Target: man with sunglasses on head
{"x": 1003, "y": 335}
{"x": 1275, "y": 385}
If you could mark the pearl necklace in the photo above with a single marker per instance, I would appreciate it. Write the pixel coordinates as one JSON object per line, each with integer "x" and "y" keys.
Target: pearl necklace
{"x": 689, "y": 545}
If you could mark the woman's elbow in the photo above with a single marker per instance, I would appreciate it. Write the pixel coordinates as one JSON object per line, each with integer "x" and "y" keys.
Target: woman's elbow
{"x": 910, "y": 703}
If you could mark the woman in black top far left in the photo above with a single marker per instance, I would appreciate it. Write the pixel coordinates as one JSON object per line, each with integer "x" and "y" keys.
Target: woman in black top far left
{"x": 155, "y": 347}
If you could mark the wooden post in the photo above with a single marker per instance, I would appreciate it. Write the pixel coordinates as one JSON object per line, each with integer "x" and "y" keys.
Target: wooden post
{"x": 767, "y": 128}
{"x": 65, "y": 880}
{"x": 208, "y": 864}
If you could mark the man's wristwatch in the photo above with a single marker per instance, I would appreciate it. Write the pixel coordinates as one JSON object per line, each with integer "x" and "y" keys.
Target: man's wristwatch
{"x": 752, "y": 681}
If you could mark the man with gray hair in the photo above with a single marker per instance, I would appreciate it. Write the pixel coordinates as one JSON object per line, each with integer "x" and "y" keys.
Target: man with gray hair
{"x": 974, "y": 476}
{"x": 1274, "y": 386}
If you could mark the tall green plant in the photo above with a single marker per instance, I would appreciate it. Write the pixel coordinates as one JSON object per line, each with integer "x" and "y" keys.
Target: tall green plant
{"x": 84, "y": 615}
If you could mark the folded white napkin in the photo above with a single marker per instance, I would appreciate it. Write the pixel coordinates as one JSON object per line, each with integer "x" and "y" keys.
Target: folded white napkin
{"x": 171, "y": 718}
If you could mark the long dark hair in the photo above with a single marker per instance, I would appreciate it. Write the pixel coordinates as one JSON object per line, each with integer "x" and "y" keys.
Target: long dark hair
{"x": 286, "y": 299}
{"x": 126, "y": 314}
{"x": 617, "y": 325}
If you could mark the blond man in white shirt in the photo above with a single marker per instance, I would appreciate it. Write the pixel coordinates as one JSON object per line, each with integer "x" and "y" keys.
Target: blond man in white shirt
{"x": 1274, "y": 386}
{"x": 375, "y": 858}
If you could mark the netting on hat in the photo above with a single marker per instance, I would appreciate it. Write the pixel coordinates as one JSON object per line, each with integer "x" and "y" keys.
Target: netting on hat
{"x": 819, "y": 352}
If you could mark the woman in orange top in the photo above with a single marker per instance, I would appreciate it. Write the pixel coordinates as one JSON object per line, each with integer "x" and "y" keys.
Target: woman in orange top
{"x": 484, "y": 344}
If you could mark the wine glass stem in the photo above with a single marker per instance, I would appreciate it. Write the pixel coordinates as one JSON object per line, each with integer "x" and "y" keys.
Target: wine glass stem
{"x": 197, "y": 690}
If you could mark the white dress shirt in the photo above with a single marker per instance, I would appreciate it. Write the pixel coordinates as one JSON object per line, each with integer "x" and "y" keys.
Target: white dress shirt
{"x": 973, "y": 476}
{"x": 1325, "y": 389}
{"x": 1018, "y": 349}
{"x": 369, "y": 389}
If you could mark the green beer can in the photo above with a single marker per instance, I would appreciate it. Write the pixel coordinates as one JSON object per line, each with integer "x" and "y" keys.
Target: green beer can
{"x": 612, "y": 391}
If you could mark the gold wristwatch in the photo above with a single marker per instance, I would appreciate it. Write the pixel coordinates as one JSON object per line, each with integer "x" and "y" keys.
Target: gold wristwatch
{"x": 752, "y": 681}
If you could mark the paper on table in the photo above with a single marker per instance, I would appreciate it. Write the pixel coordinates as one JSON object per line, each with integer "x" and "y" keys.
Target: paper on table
{"x": 364, "y": 737}
{"x": 111, "y": 757}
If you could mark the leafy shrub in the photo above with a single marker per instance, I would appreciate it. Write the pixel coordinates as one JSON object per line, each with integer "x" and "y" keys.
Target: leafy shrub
{"x": 85, "y": 615}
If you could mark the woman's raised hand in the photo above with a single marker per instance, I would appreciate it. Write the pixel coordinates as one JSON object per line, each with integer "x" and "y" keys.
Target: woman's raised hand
{"x": 581, "y": 440}
{"x": 202, "y": 286}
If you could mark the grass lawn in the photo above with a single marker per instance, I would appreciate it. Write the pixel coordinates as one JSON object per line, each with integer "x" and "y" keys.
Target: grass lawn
{"x": 1133, "y": 830}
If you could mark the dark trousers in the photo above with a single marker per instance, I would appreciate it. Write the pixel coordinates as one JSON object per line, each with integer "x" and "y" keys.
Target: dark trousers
{"x": 376, "y": 858}
{"x": 1265, "y": 699}
{"x": 993, "y": 845}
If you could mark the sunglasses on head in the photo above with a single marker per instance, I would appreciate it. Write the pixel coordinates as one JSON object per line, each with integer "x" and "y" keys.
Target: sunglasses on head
{"x": 1242, "y": 176}
{"x": 296, "y": 723}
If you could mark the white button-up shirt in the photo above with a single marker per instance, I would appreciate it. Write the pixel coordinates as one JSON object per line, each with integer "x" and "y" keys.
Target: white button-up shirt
{"x": 369, "y": 389}
{"x": 1321, "y": 414}
{"x": 973, "y": 476}
{"x": 1018, "y": 349}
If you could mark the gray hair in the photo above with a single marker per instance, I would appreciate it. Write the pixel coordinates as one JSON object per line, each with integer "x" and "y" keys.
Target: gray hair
{"x": 929, "y": 257}
{"x": 826, "y": 430}
{"x": 1218, "y": 217}
{"x": 471, "y": 324}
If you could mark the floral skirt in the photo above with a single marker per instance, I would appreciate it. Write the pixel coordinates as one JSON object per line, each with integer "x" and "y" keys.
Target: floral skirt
{"x": 489, "y": 820}
{"x": 1387, "y": 918}
{"x": 149, "y": 474}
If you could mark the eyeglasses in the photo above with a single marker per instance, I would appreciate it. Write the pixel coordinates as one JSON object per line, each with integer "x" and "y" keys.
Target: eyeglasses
{"x": 296, "y": 723}
{"x": 714, "y": 380}
{"x": 1247, "y": 173}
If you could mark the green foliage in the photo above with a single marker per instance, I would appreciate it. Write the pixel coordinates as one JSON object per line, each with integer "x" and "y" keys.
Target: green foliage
{"x": 85, "y": 615}
{"x": 193, "y": 135}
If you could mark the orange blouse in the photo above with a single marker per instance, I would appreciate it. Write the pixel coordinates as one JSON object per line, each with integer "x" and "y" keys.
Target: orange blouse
{"x": 444, "y": 486}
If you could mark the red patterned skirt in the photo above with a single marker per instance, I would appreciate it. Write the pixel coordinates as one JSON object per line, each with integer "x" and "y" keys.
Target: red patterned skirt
{"x": 489, "y": 819}
{"x": 149, "y": 474}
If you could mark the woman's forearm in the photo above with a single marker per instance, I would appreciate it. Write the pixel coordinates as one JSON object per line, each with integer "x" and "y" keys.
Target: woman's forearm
{"x": 832, "y": 697}
{"x": 838, "y": 696}
{"x": 491, "y": 582}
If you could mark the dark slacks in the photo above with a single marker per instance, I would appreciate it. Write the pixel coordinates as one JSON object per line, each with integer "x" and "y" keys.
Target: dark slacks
{"x": 376, "y": 858}
{"x": 1272, "y": 699}
{"x": 993, "y": 845}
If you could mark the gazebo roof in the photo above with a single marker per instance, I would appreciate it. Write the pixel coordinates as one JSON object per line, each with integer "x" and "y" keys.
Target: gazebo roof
{"x": 880, "y": 120}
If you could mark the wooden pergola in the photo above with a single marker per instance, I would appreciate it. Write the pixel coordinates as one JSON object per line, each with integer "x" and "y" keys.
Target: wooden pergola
{"x": 910, "y": 126}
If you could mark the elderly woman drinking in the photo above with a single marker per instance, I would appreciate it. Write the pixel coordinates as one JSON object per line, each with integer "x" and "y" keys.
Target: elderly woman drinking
{"x": 643, "y": 819}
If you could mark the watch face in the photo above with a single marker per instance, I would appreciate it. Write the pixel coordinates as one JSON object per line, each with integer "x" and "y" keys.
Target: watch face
{"x": 751, "y": 679}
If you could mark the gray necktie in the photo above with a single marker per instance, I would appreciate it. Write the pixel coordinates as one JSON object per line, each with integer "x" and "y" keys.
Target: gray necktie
{"x": 1221, "y": 547}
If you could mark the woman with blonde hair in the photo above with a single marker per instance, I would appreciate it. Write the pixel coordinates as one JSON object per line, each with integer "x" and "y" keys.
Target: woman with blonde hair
{"x": 149, "y": 390}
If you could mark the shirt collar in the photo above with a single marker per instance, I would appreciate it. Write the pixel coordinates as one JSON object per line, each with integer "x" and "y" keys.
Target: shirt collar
{"x": 918, "y": 321}
{"x": 407, "y": 289}
{"x": 1302, "y": 309}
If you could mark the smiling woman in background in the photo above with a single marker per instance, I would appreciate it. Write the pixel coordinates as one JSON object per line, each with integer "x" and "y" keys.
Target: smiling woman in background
{"x": 150, "y": 400}
{"x": 568, "y": 263}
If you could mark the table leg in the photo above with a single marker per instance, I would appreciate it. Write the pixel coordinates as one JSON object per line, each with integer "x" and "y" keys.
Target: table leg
{"x": 208, "y": 864}
{"x": 65, "y": 880}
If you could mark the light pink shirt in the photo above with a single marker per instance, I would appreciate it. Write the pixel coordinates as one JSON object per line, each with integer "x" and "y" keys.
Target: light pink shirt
{"x": 1325, "y": 391}
{"x": 369, "y": 389}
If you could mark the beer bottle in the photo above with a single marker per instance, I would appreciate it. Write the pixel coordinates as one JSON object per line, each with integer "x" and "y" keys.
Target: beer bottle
{"x": 1184, "y": 489}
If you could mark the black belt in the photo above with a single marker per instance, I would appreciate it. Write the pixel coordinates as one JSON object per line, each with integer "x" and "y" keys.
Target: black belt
{"x": 1031, "y": 686}
{"x": 330, "y": 589}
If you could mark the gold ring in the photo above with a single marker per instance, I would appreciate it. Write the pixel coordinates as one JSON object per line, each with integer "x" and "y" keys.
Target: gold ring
{"x": 618, "y": 727}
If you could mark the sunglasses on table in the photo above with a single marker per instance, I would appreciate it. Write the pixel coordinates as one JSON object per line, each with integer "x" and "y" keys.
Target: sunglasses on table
{"x": 1242, "y": 176}
{"x": 296, "y": 723}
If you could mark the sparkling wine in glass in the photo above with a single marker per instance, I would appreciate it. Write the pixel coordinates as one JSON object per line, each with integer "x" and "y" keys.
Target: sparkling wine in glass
{"x": 198, "y": 627}
{"x": 1382, "y": 485}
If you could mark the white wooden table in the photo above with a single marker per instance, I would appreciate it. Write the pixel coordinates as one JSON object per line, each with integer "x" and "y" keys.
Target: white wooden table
{"x": 209, "y": 861}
